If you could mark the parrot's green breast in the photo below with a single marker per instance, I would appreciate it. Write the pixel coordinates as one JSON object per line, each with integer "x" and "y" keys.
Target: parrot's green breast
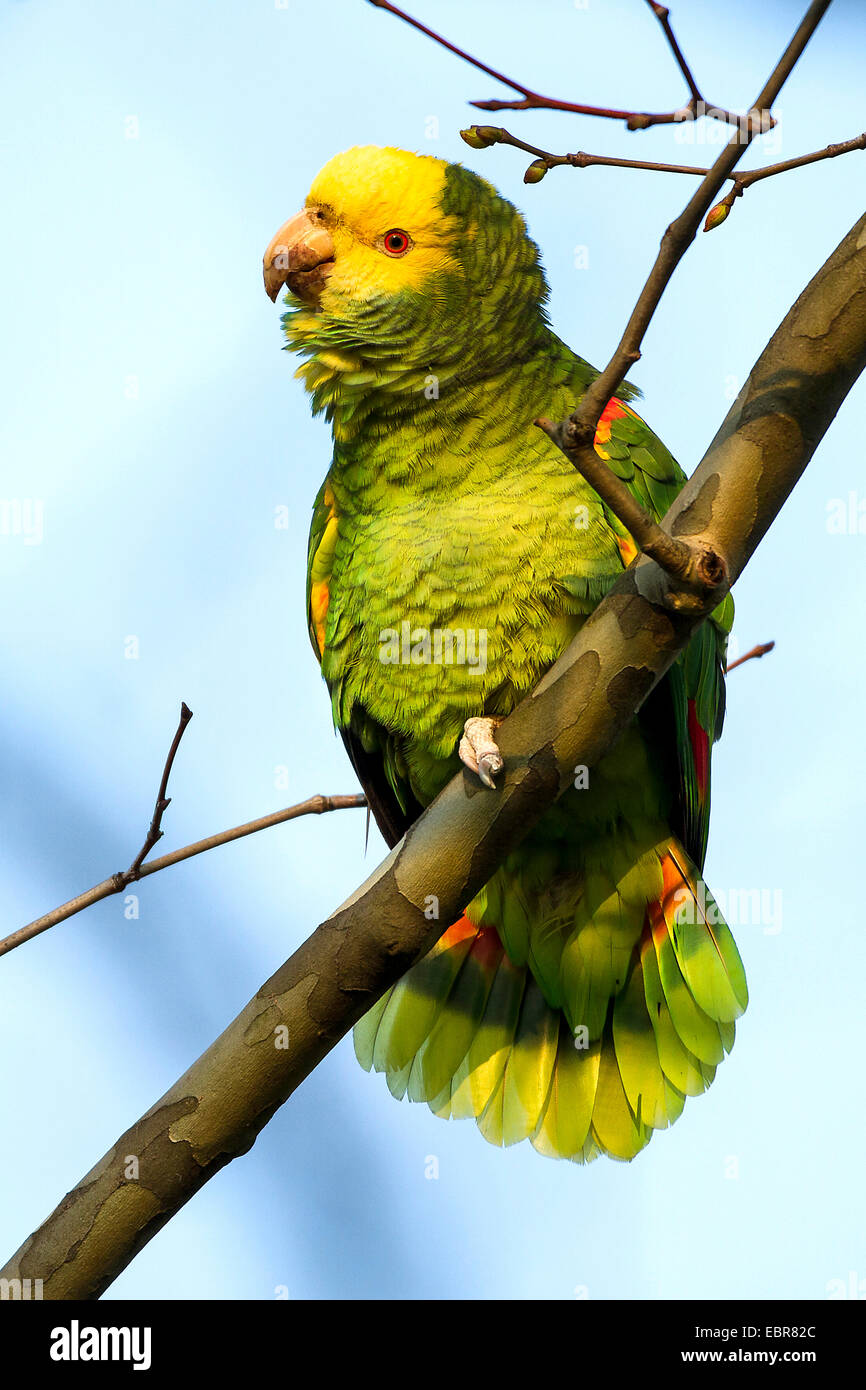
{"x": 457, "y": 582}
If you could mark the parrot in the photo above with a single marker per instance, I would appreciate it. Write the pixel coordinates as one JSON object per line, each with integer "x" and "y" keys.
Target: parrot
{"x": 592, "y": 984}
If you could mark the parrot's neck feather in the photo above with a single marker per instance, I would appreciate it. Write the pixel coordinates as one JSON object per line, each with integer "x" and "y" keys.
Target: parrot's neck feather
{"x": 441, "y": 445}
{"x": 393, "y": 383}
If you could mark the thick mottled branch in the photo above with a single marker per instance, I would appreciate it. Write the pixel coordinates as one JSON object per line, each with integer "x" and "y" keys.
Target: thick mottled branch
{"x": 635, "y": 120}
{"x": 313, "y": 806}
{"x": 215, "y": 1111}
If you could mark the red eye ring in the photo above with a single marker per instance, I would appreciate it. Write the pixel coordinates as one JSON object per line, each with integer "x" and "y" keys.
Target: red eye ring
{"x": 396, "y": 242}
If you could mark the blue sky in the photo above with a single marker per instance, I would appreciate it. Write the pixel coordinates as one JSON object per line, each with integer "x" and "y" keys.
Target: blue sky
{"x": 149, "y": 153}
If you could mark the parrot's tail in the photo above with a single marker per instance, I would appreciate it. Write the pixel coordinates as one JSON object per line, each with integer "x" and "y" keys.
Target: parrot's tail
{"x": 472, "y": 1034}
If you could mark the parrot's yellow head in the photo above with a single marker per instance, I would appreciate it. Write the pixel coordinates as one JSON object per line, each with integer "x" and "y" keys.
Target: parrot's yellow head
{"x": 399, "y": 265}
{"x": 373, "y": 223}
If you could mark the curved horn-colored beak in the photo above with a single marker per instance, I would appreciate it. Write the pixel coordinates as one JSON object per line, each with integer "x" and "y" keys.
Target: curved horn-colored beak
{"x": 299, "y": 256}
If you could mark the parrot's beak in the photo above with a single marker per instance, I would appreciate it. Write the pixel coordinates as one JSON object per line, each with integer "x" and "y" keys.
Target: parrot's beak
{"x": 300, "y": 256}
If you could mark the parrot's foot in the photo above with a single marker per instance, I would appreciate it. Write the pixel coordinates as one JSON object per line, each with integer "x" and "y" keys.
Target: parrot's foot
{"x": 478, "y": 749}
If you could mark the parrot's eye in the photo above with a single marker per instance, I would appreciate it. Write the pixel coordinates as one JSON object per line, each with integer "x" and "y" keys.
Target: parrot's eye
{"x": 396, "y": 242}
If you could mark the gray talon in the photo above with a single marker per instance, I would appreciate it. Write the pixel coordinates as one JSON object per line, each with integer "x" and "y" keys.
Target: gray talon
{"x": 488, "y": 766}
{"x": 478, "y": 750}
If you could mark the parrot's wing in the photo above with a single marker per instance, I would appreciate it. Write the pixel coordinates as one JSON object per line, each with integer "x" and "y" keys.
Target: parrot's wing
{"x": 691, "y": 699}
{"x": 374, "y": 753}
{"x": 320, "y": 561}
{"x": 684, "y": 715}
{"x": 696, "y": 687}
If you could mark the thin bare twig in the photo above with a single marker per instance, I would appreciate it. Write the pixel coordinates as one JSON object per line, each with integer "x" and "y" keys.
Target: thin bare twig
{"x": 663, "y": 15}
{"x": 635, "y": 120}
{"x": 314, "y": 805}
{"x": 482, "y": 136}
{"x": 155, "y": 832}
{"x": 755, "y": 652}
{"x": 479, "y": 137}
{"x": 717, "y": 215}
{"x": 694, "y": 566}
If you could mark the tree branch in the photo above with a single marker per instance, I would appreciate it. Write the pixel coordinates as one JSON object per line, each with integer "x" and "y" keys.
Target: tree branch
{"x": 163, "y": 801}
{"x": 663, "y": 15}
{"x": 313, "y": 806}
{"x": 699, "y": 570}
{"x": 215, "y": 1111}
{"x": 717, "y": 215}
{"x": 679, "y": 558}
{"x": 635, "y": 120}
{"x": 481, "y": 137}
{"x": 750, "y": 655}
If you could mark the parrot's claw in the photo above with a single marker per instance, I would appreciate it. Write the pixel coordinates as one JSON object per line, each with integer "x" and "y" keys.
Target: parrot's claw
{"x": 479, "y": 751}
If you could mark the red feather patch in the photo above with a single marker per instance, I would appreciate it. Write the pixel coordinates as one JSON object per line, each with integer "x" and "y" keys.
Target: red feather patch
{"x": 700, "y": 749}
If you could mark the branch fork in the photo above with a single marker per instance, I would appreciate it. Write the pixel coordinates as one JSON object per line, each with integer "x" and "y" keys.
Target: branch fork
{"x": 700, "y": 571}
{"x": 528, "y": 100}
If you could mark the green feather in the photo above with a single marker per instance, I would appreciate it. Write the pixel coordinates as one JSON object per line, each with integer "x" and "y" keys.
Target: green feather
{"x": 679, "y": 1065}
{"x": 643, "y": 1080}
{"x": 614, "y": 1127}
{"x": 449, "y": 1039}
{"x": 697, "y": 1032}
{"x": 528, "y": 1071}
{"x": 415, "y": 1005}
{"x": 480, "y": 1075}
{"x": 563, "y": 1129}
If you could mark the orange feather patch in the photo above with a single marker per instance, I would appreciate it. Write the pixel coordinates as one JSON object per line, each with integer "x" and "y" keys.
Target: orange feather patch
{"x": 487, "y": 948}
{"x": 320, "y": 598}
{"x": 320, "y": 571}
{"x": 627, "y": 549}
{"x": 612, "y": 411}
